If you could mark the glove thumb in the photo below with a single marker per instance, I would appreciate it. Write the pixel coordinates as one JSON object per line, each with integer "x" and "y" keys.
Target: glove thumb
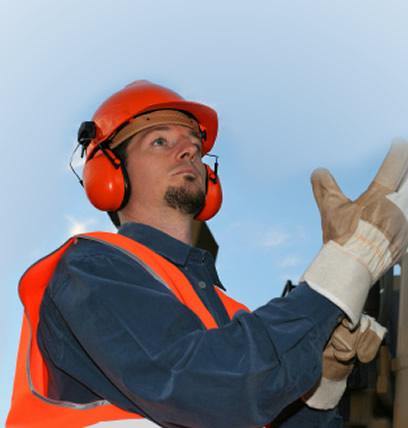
{"x": 327, "y": 193}
{"x": 326, "y": 190}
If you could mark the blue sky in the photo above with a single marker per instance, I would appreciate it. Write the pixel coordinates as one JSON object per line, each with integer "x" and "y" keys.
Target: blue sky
{"x": 297, "y": 85}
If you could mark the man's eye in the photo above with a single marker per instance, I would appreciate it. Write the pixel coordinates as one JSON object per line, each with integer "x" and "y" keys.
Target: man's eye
{"x": 159, "y": 142}
{"x": 199, "y": 149}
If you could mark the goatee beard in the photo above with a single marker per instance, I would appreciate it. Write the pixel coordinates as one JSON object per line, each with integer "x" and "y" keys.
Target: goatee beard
{"x": 184, "y": 200}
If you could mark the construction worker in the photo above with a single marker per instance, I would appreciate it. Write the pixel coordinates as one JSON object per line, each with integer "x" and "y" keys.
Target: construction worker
{"x": 134, "y": 328}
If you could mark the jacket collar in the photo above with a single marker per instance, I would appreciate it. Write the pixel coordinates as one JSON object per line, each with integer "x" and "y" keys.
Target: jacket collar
{"x": 172, "y": 249}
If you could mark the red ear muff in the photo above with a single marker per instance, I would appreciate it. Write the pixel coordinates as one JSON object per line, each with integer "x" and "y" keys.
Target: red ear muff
{"x": 213, "y": 198}
{"x": 105, "y": 181}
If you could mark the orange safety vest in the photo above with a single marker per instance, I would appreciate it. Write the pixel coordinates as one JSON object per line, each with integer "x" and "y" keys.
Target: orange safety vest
{"x": 30, "y": 406}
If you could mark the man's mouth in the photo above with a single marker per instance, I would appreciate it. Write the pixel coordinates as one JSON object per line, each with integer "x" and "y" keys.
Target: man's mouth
{"x": 187, "y": 172}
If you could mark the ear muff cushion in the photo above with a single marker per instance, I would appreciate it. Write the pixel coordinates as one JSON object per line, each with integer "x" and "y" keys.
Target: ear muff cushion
{"x": 213, "y": 198}
{"x": 105, "y": 185}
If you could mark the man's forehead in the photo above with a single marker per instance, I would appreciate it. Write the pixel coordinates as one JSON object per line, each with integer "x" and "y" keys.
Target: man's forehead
{"x": 168, "y": 128}
{"x": 155, "y": 119}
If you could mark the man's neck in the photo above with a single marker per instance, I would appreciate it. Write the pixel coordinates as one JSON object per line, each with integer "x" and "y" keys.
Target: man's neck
{"x": 169, "y": 221}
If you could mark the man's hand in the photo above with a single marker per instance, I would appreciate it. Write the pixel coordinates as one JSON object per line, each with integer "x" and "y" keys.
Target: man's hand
{"x": 343, "y": 348}
{"x": 362, "y": 238}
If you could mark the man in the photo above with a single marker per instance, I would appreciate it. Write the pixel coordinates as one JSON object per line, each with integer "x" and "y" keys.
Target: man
{"x": 135, "y": 326}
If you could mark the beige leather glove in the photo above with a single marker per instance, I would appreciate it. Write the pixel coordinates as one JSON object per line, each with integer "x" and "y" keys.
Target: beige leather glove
{"x": 339, "y": 355}
{"x": 362, "y": 238}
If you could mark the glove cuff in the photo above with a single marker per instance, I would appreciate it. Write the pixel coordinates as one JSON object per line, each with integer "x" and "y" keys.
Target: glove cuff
{"x": 341, "y": 278}
{"x": 327, "y": 394}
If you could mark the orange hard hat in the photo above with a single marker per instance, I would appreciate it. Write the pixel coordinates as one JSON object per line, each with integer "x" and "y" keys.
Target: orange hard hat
{"x": 143, "y": 96}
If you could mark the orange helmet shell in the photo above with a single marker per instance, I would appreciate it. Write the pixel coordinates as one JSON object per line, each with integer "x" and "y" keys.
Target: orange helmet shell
{"x": 142, "y": 96}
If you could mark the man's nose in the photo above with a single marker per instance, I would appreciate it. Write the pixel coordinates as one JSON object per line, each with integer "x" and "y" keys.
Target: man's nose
{"x": 187, "y": 149}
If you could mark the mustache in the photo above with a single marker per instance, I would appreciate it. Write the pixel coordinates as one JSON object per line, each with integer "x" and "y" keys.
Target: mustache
{"x": 187, "y": 168}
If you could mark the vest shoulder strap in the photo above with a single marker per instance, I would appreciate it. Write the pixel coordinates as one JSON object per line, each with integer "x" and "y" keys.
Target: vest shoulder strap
{"x": 167, "y": 273}
{"x": 162, "y": 269}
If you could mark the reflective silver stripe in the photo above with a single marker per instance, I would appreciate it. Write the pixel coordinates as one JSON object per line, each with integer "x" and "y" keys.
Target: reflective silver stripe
{"x": 126, "y": 423}
{"x": 93, "y": 404}
{"x": 131, "y": 255}
{"x": 61, "y": 403}
{"x": 48, "y": 400}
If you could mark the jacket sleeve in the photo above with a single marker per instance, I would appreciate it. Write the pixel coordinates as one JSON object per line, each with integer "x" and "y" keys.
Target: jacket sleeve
{"x": 109, "y": 324}
{"x": 299, "y": 415}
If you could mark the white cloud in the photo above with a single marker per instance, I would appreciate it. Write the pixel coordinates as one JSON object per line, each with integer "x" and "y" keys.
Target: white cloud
{"x": 275, "y": 237}
{"x": 79, "y": 226}
{"x": 257, "y": 234}
{"x": 289, "y": 261}
{"x": 261, "y": 236}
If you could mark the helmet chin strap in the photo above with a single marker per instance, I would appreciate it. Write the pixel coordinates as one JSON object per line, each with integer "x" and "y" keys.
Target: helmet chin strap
{"x": 72, "y": 167}
{"x": 86, "y": 132}
{"x": 214, "y": 179}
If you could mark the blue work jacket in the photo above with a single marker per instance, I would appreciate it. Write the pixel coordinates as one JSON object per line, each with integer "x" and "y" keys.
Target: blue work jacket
{"x": 109, "y": 330}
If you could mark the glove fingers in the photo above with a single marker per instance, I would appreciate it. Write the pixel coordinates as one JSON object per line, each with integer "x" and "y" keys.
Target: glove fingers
{"x": 370, "y": 341}
{"x": 333, "y": 368}
{"x": 344, "y": 348}
{"x": 325, "y": 189}
{"x": 344, "y": 343}
{"x": 400, "y": 198}
{"x": 394, "y": 169}
{"x": 368, "y": 346}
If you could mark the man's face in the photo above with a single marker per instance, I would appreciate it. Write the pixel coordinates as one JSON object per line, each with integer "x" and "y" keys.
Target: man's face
{"x": 165, "y": 168}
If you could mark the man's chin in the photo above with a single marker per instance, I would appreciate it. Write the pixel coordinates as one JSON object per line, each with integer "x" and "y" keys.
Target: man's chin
{"x": 185, "y": 199}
